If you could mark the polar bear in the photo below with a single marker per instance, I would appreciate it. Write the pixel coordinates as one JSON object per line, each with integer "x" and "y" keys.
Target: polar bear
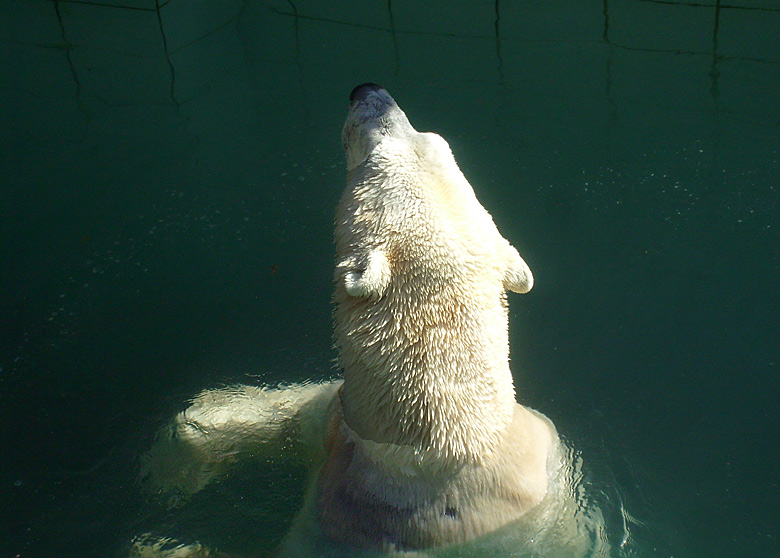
{"x": 422, "y": 445}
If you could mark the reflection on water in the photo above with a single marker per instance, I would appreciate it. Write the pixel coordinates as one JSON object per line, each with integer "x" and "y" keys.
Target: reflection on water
{"x": 592, "y": 517}
{"x": 169, "y": 171}
{"x": 586, "y": 514}
{"x": 570, "y": 522}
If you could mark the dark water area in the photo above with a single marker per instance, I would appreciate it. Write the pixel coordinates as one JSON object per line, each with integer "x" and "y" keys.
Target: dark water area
{"x": 169, "y": 173}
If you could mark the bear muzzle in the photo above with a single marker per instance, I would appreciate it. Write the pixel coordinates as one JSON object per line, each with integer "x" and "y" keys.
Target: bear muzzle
{"x": 362, "y": 90}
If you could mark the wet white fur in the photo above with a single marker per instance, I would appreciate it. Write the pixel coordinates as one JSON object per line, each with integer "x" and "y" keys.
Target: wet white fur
{"x": 421, "y": 318}
{"x": 423, "y": 444}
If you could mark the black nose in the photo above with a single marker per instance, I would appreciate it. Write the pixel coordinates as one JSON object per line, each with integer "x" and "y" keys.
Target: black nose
{"x": 362, "y": 90}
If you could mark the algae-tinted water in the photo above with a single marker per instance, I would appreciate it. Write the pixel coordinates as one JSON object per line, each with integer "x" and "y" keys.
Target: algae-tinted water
{"x": 169, "y": 174}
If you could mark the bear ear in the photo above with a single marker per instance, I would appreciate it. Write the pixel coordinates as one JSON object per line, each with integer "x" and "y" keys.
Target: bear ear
{"x": 517, "y": 277}
{"x": 370, "y": 281}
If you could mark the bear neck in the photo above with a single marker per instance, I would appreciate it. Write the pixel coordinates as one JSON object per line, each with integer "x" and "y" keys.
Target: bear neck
{"x": 464, "y": 424}
{"x": 454, "y": 404}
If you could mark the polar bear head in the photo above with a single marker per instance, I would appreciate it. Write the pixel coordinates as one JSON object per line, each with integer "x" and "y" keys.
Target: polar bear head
{"x": 421, "y": 272}
{"x": 374, "y": 116}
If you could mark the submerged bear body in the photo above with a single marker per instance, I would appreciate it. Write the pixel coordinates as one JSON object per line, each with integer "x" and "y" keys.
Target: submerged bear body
{"x": 422, "y": 445}
{"x": 390, "y": 498}
{"x": 434, "y": 448}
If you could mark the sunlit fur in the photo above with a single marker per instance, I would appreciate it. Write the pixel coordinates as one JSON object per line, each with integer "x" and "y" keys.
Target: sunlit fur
{"x": 423, "y": 444}
{"x": 426, "y": 345}
{"x": 435, "y": 449}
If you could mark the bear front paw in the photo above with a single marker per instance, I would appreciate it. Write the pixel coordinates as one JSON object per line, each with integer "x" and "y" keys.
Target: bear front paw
{"x": 180, "y": 463}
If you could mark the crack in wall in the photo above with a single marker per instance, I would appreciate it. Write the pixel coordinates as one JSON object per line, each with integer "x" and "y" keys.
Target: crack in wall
{"x": 613, "y": 108}
{"x": 717, "y": 4}
{"x": 396, "y": 50}
{"x": 500, "y": 41}
{"x": 167, "y": 56}
{"x": 714, "y": 73}
{"x": 100, "y": 4}
{"x": 296, "y": 29}
{"x": 496, "y": 24}
{"x": 298, "y": 64}
{"x": 67, "y": 47}
{"x": 615, "y": 44}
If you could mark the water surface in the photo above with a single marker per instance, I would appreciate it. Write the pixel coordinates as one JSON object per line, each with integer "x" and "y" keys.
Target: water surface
{"x": 170, "y": 171}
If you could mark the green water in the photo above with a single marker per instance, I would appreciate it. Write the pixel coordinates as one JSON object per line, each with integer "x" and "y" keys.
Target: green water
{"x": 169, "y": 172}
